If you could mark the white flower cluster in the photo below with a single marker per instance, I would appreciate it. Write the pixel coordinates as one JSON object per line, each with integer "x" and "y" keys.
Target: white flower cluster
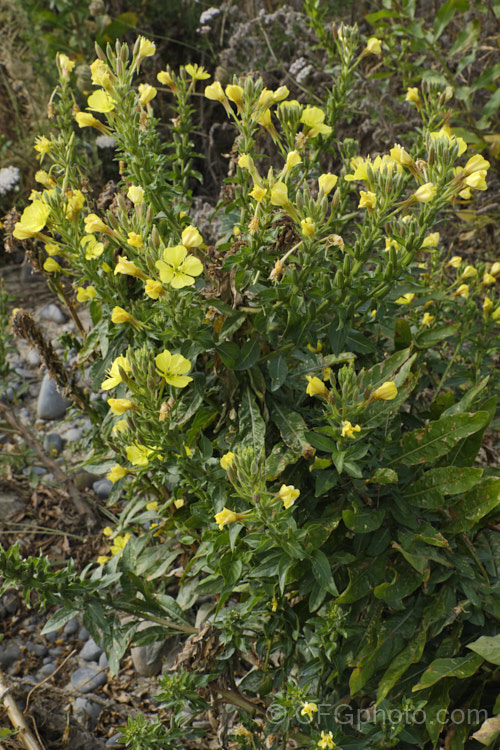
{"x": 300, "y": 69}
{"x": 105, "y": 141}
{"x": 206, "y": 19}
{"x": 9, "y": 177}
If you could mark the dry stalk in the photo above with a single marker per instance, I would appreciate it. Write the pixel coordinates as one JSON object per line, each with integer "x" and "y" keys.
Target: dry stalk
{"x": 18, "y": 720}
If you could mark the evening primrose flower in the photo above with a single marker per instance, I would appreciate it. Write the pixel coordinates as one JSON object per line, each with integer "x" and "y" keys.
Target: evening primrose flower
{"x": 165, "y": 77}
{"x": 100, "y": 101}
{"x": 400, "y": 155}
{"x": 85, "y": 293}
{"x": 44, "y": 179}
{"x": 154, "y": 289}
{"x": 94, "y": 224}
{"x": 226, "y": 516}
{"x": 147, "y": 48}
{"x": 135, "y": 240}
{"x": 93, "y": 248}
{"x": 477, "y": 163}
{"x": 405, "y": 299}
{"x": 292, "y": 160}
{"x": 146, "y": 93}
{"x": 326, "y": 742}
{"x": 316, "y": 387}
{"x": 120, "y": 426}
{"x": 427, "y": 319}
{"x": 114, "y": 378}
{"x": 119, "y": 315}
{"x": 226, "y": 460}
{"x": 413, "y": 96}
{"x": 173, "y": 367}
{"x": 196, "y": 72}
{"x": 477, "y": 180}
{"x": 119, "y": 543}
{"x": 367, "y": 199}
{"x": 495, "y": 269}
{"x": 373, "y": 46}
{"x": 86, "y": 120}
{"x": 128, "y": 268}
{"x": 313, "y": 118}
{"x": 454, "y": 262}
{"x": 178, "y": 268}
{"x": 215, "y": 92}
{"x": 488, "y": 279}
{"x": 119, "y": 406}
{"x": 279, "y": 194}
{"x": 42, "y": 145}
{"x": 349, "y": 430}
{"x": 425, "y": 193}
{"x": 138, "y": 454}
{"x": 258, "y": 193}
{"x": 430, "y": 240}
{"x": 309, "y": 709}
{"x": 52, "y": 266}
{"x": 32, "y": 221}
{"x": 327, "y": 182}
{"x": 235, "y": 93}
{"x": 135, "y": 194}
{"x": 191, "y": 237}
{"x": 468, "y": 273}
{"x": 462, "y": 291}
{"x": 386, "y": 392}
{"x": 65, "y": 64}
{"x": 308, "y": 227}
{"x": 487, "y": 306}
{"x": 288, "y": 494}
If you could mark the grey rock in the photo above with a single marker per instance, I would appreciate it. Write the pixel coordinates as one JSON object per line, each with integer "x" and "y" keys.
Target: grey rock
{"x": 53, "y": 443}
{"x": 9, "y": 653}
{"x": 33, "y": 358}
{"x": 88, "y": 678}
{"x": 51, "y": 635}
{"x": 53, "y": 313}
{"x": 103, "y": 661}
{"x": 113, "y": 741}
{"x": 38, "y": 649}
{"x": 84, "y": 481}
{"x": 102, "y": 488}
{"x": 51, "y": 405}
{"x": 90, "y": 651}
{"x": 38, "y": 470}
{"x": 83, "y": 634}
{"x": 55, "y": 651}
{"x": 10, "y": 601}
{"x": 73, "y": 435}
{"x": 24, "y": 373}
{"x": 86, "y": 711}
{"x": 46, "y": 670}
{"x": 71, "y": 627}
{"x": 47, "y": 660}
{"x": 147, "y": 659}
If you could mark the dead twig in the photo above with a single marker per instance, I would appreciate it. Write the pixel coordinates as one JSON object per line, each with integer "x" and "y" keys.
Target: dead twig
{"x": 18, "y": 720}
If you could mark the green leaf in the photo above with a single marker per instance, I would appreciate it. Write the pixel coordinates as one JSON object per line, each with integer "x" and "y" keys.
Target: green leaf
{"x": 402, "y": 334}
{"x": 278, "y": 372}
{"x": 419, "y": 562}
{"x": 460, "y": 668}
{"x": 428, "y": 491}
{"x": 403, "y": 584}
{"x": 278, "y": 460}
{"x": 325, "y": 480}
{"x": 443, "y": 17}
{"x": 466, "y": 38}
{"x": 250, "y": 353}
{"x": 321, "y": 442}
{"x": 292, "y": 428}
{"x": 410, "y": 655}
{"x": 363, "y": 520}
{"x": 229, "y": 352}
{"x": 488, "y": 77}
{"x": 60, "y": 618}
{"x": 437, "y": 438}
{"x": 252, "y": 426}
{"x": 425, "y": 339}
{"x": 323, "y": 572}
{"x": 488, "y": 647}
{"x": 436, "y": 708}
{"x": 384, "y": 476}
{"x": 476, "y": 504}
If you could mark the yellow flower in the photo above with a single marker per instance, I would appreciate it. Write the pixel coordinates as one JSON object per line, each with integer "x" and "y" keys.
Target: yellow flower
{"x": 135, "y": 240}
{"x": 227, "y": 460}
{"x": 215, "y": 92}
{"x": 196, "y": 72}
{"x": 93, "y": 248}
{"x": 191, "y": 237}
{"x": 349, "y": 430}
{"x": 495, "y": 314}
{"x": 400, "y": 155}
{"x": 234, "y": 93}
{"x": 32, "y": 221}
{"x": 373, "y": 46}
{"x": 82, "y": 295}
{"x": 100, "y": 101}
{"x": 327, "y": 182}
{"x": 405, "y": 299}
{"x": 178, "y": 268}
{"x": 94, "y": 224}
{"x": 138, "y": 454}
{"x": 462, "y": 291}
{"x": 258, "y": 193}
{"x": 413, "y": 96}
{"x": 279, "y": 194}
{"x": 360, "y": 167}
{"x": 120, "y": 405}
{"x": 280, "y": 93}
{"x": 107, "y": 531}
{"x": 51, "y": 248}
{"x": 446, "y": 133}
{"x": 495, "y": 269}
{"x": 487, "y": 305}
{"x": 119, "y": 315}
{"x": 100, "y": 73}
{"x": 164, "y": 77}
{"x": 44, "y": 179}
{"x": 102, "y": 559}
{"x": 115, "y": 474}
{"x": 75, "y": 204}
{"x": 468, "y": 272}
{"x": 391, "y": 243}
{"x": 425, "y": 193}
{"x": 309, "y": 709}
{"x": 226, "y": 516}
{"x": 477, "y": 163}
{"x": 386, "y": 392}
{"x": 288, "y": 494}
{"x": 477, "y": 180}
{"x": 66, "y": 65}
{"x": 455, "y": 261}
{"x": 146, "y": 93}
{"x": 316, "y": 387}
{"x": 42, "y": 145}
{"x": 488, "y": 279}
{"x": 114, "y": 378}
{"x": 427, "y": 319}
{"x": 292, "y": 160}
{"x": 326, "y": 742}
{"x": 308, "y": 226}
{"x": 120, "y": 427}
{"x": 135, "y": 194}
{"x": 119, "y": 543}
{"x": 146, "y": 47}
{"x": 128, "y": 268}
{"x": 153, "y": 289}
{"x": 431, "y": 240}
{"x": 367, "y": 200}
{"x": 173, "y": 367}
{"x": 52, "y": 266}
{"x": 313, "y": 119}
{"x": 179, "y": 503}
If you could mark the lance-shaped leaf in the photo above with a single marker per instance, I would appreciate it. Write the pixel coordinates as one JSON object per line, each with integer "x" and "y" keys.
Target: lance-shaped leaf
{"x": 460, "y": 668}
{"x": 292, "y": 428}
{"x": 476, "y": 504}
{"x": 408, "y": 656}
{"x": 488, "y": 647}
{"x": 252, "y": 426}
{"x": 428, "y": 491}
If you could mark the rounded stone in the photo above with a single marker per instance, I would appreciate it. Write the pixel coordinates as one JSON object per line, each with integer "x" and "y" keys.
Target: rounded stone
{"x": 51, "y": 635}
{"x": 33, "y": 358}
{"x": 47, "y": 669}
{"x": 103, "y": 661}
{"x": 85, "y": 710}
{"x": 52, "y": 313}
{"x": 38, "y": 649}
{"x": 73, "y": 435}
{"x": 102, "y": 488}
{"x": 83, "y": 634}
{"x": 88, "y": 678}
{"x": 51, "y": 405}
{"x": 90, "y": 651}
{"x": 71, "y": 627}
{"x": 53, "y": 443}
{"x": 9, "y": 653}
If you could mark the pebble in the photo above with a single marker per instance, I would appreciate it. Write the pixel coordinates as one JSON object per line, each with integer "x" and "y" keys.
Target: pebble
{"x": 46, "y": 670}
{"x": 83, "y": 708}
{"x": 147, "y": 659}
{"x": 90, "y": 651}
{"x": 51, "y": 405}
{"x": 47, "y": 660}
{"x": 73, "y": 435}
{"x": 10, "y": 601}
{"x": 102, "y": 488}
{"x": 9, "y": 653}
{"x": 103, "y": 661}
{"x": 88, "y": 678}
{"x": 114, "y": 741}
{"x": 83, "y": 634}
{"x": 38, "y": 470}
{"x": 33, "y": 358}
{"x": 53, "y": 443}
{"x": 38, "y": 649}
{"x": 51, "y": 635}
{"x": 71, "y": 627}
{"x": 53, "y": 313}
{"x": 55, "y": 651}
